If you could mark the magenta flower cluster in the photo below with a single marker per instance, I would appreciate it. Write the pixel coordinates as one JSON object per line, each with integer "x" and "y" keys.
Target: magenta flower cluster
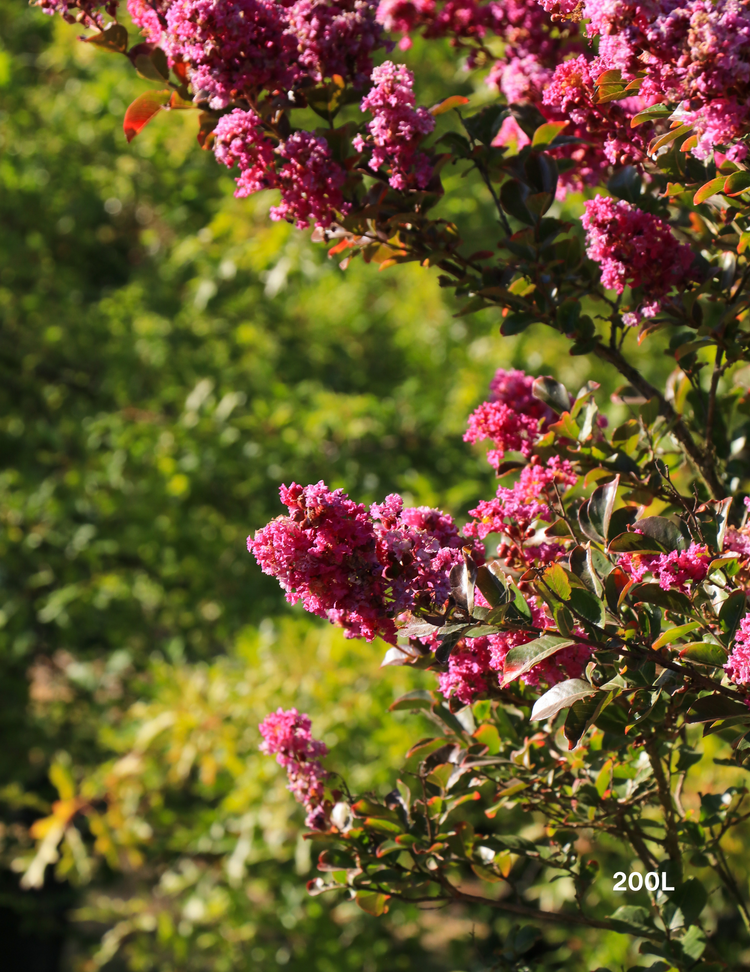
{"x": 475, "y": 666}
{"x": 308, "y": 178}
{"x": 286, "y": 734}
{"x": 673, "y": 571}
{"x": 236, "y": 48}
{"x": 358, "y": 568}
{"x": 738, "y": 665}
{"x": 512, "y": 419}
{"x": 531, "y": 498}
{"x": 695, "y": 53}
{"x": 397, "y": 128}
{"x": 636, "y": 249}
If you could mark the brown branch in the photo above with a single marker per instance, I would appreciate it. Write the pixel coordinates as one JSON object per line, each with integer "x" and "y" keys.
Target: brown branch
{"x": 721, "y": 867}
{"x": 527, "y": 911}
{"x": 671, "y": 842}
{"x": 701, "y": 461}
{"x": 717, "y": 373}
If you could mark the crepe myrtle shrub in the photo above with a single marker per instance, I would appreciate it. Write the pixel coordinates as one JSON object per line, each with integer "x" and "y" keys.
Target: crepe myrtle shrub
{"x": 590, "y": 619}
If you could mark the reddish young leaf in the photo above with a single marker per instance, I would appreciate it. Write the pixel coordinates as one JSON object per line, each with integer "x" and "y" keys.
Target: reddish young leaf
{"x": 142, "y": 110}
{"x": 455, "y": 101}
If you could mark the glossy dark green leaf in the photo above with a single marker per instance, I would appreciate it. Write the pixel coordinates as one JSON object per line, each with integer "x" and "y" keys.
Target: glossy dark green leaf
{"x": 626, "y": 184}
{"x": 491, "y": 585}
{"x": 582, "y": 716}
{"x": 559, "y": 697}
{"x": 601, "y": 505}
{"x": 523, "y": 657}
{"x": 620, "y": 520}
{"x": 513, "y": 195}
{"x": 732, "y": 611}
{"x": 653, "y": 594}
{"x": 670, "y": 534}
{"x": 587, "y": 605}
{"x": 710, "y": 708}
{"x": 552, "y": 393}
{"x": 704, "y": 653}
{"x": 631, "y": 542}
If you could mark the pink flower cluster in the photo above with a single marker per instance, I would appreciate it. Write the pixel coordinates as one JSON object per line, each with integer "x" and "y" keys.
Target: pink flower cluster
{"x": 235, "y": 48}
{"x": 358, "y": 569}
{"x": 513, "y": 510}
{"x": 286, "y": 734}
{"x": 738, "y": 665}
{"x": 674, "y": 570}
{"x": 397, "y": 128}
{"x": 239, "y": 140}
{"x": 310, "y": 181}
{"x": 232, "y": 47}
{"x": 475, "y": 666}
{"x": 512, "y": 418}
{"x": 738, "y": 540}
{"x": 634, "y": 248}
{"x": 695, "y": 53}
{"x": 336, "y": 38}
{"x": 509, "y": 430}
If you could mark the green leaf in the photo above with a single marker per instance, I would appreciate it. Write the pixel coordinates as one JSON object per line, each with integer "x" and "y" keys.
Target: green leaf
{"x": 382, "y": 826}
{"x": 559, "y": 697}
{"x": 552, "y": 393}
{"x": 583, "y": 563}
{"x": 417, "y": 699}
{"x": 731, "y": 613}
{"x": 368, "y": 808}
{"x": 513, "y": 195}
{"x": 626, "y": 184}
{"x": 690, "y": 898}
{"x": 582, "y": 716}
{"x": 484, "y": 125}
{"x": 547, "y": 133}
{"x": 556, "y": 579}
{"x": 632, "y": 919}
{"x": 704, "y": 653}
{"x": 666, "y": 532}
{"x": 114, "y": 38}
{"x": 516, "y": 323}
{"x": 630, "y": 542}
{"x": 492, "y": 586}
{"x": 709, "y": 189}
{"x": 441, "y": 774}
{"x": 737, "y": 183}
{"x": 489, "y": 737}
{"x": 674, "y": 634}
{"x": 669, "y": 137}
{"x": 650, "y": 114}
{"x": 710, "y": 708}
{"x": 694, "y": 943}
{"x": 653, "y": 594}
{"x": 587, "y": 605}
{"x": 599, "y": 510}
{"x": 372, "y": 902}
{"x": 523, "y": 657}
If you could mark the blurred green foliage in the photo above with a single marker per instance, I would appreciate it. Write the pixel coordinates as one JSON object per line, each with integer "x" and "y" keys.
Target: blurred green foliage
{"x": 167, "y": 357}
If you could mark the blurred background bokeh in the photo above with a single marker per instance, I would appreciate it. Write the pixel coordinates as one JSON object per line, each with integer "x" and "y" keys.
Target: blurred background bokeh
{"x": 167, "y": 357}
